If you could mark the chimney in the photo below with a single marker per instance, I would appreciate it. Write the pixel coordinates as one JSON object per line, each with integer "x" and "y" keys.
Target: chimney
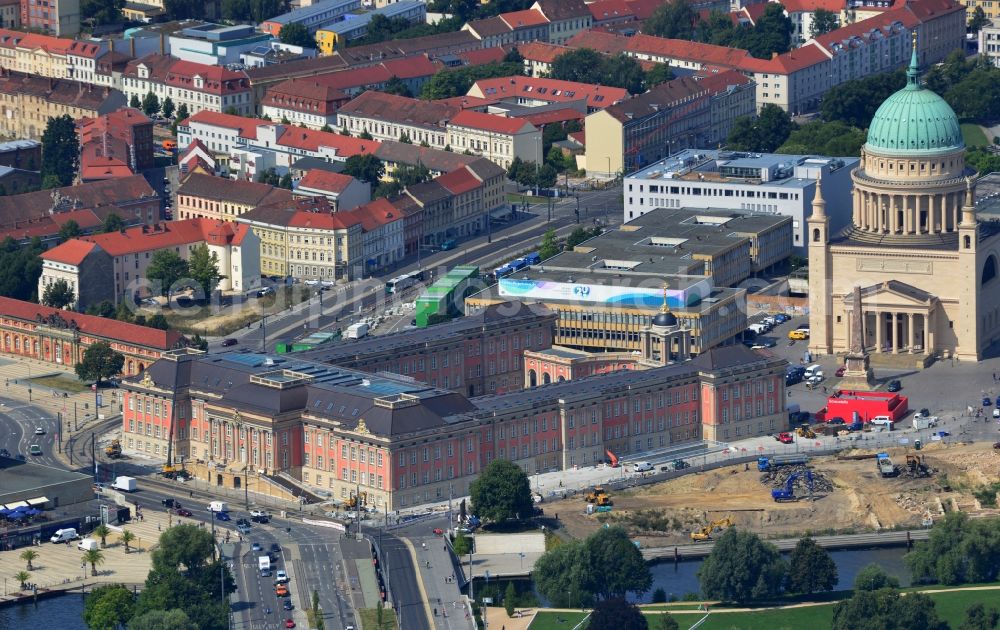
{"x": 163, "y": 43}
{"x": 774, "y": 55}
{"x": 131, "y": 47}
{"x": 111, "y": 45}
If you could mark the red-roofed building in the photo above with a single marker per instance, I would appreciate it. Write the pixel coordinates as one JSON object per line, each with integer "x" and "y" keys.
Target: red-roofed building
{"x": 534, "y": 92}
{"x": 195, "y": 85}
{"x": 482, "y": 56}
{"x": 566, "y": 18}
{"x": 539, "y": 56}
{"x": 303, "y": 101}
{"x": 280, "y": 146}
{"x": 601, "y": 41}
{"x": 196, "y": 158}
{"x": 553, "y": 116}
{"x": 342, "y": 190}
{"x": 84, "y": 267}
{"x": 61, "y": 337}
{"x": 391, "y": 117}
{"x": 684, "y": 54}
{"x": 606, "y": 12}
{"x": 115, "y": 145}
{"x": 132, "y": 249}
{"x": 467, "y": 102}
{"x": 496, "y": 138}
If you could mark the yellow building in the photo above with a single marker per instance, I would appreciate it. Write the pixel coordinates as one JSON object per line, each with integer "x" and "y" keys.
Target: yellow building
{"x": 27, "y": 103}
{"x": 926, "y": 266}
{"x": 206, "y": 196}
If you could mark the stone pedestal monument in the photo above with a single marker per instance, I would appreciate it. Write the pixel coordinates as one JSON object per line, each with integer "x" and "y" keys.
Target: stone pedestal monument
{"x": 858, "y": 373}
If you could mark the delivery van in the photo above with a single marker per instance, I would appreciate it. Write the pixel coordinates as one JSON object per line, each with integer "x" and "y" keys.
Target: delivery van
{"x": 87, "y": 544}
{"x": 63, "y": 535}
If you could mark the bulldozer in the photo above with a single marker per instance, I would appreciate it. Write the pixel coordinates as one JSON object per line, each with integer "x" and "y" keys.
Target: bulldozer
{"x": 598, "y": 496}
{"x": 113, "y": 450}
{"x": 805, "y": 432}
{"x": 705, "y": 533}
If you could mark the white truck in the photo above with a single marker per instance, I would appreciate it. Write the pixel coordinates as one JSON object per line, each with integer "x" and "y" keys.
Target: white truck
{"x": 125, "y": 484}
{"x": 264, "y": 565}
{"x": 925, "y": 422}
{"x": 357, "y": 331}
{"x": 218, "y": 506}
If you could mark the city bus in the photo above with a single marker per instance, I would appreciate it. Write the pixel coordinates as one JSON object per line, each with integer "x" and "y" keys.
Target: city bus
{"x": 403, "y": 282}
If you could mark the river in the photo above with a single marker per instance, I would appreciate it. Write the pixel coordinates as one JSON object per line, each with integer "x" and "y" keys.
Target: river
{"x": 63, "y": 611}
{"x": 683, "y": 578}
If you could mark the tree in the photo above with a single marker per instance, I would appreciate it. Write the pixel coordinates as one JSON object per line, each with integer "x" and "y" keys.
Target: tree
{"x": 854, "y": 102}
{"x": 588, "y": 66}
{"x": 102, "y": 11}
{"x": 184, "y": 9}
{"x": 364, "y": 135}
{"x": 150, "y": 103}
{"x": 959, "y": 550}
{"x": 167, "y": 107}
{"x": 976, "y": 96}
{"x": 978, "y": 21}
{"x": 462, "y": 545}
{"x": 58, "y": 294}
{"x": 873, "y": 577}
{"x": 765, "y": 134}
{"x": 365, "y": 167}
{"x": 93, "y": 557}
{"x": 20, "y": 268}
{"x": 285, "y": 181}
{"x": 22, "y": 578}
{"x": 824, "y": 138}
{"x": 660, "y": 73}
{"x": 886, "y": 610}
{"x": 127, "y": 537}
{"x": 625, "y": 72}
{"x": 741, "y": 568}
{"x": 502, "y": 492}
{"x": 509, "y": 599}
{"x": 297, "y": 34}
{"x": 617, "y": 613}
{"x": 102, "y": 531}
{"x": 673, "y": 20}
{"x": 174, "y": 619}
{"x": 166, "y": 269}
{"x": 659, "y": 596}
{"x": 577, "y": 236}
{"x": 104, "y": 308}
{"x": 203, "y": 266}
{"x": 616, "y": 566}
{"x": 772, "y": 33}
{"x": 549, "y": 246}
{"x": 70, "y": 229}
{"x": 667, "y": 622}
{"x": 29, "y": 556}
{"x": 561, "y": 575}
{"x": 395, "y": 85}
{"x": 823, "y": 22}
{"x": 522, "y": 172}
{"x": 133, "y": 102}
{"x": 108, "y": 607}
{"x": 182, "y": 112}
{"x": 60, "y": 150}
{"x": 184, "y": 546}
{"x": 457, "y": 82}
{"x": 513, "y": 56}
{"x": 405, "y": 138}
{"x": 123, "y": 313}
{"x": 99, "y": 362}
{"x": 978, "y": 618}
{"x": 810, "y": 569}
{"x": 112, "y": 223}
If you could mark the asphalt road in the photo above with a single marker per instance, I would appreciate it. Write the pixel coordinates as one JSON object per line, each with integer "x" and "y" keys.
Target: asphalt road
{"x": 18, "y": 422}
{"x": 403, "y": 584}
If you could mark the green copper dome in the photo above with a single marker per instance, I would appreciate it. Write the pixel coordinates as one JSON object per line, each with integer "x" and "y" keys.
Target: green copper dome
{"x": 914, "y": 121}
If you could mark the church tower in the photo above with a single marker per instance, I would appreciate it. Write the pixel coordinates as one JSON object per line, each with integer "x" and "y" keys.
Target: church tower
{"x": 820, "y": 300}
{"x": 968, "y": 242}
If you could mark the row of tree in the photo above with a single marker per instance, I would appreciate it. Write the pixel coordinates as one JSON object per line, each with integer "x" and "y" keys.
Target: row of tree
{"x": 451, "y": 83}
{"x": 772, "y": 32}
{"x": 186, "y": 589}
{"x": 152, "y": 105}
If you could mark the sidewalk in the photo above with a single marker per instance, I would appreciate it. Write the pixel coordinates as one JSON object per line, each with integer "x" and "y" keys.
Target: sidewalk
{"x": 436, "y": 567}
{"x": 60, "y": 566}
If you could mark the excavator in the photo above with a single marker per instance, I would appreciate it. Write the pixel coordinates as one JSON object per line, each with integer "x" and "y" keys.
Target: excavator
{"x": 612, "y": 458}
{"x": 598, "y": 496}
{"x": 805, "y": 432}
{"x": 788, "y": 492}
{"x": 113, "y": 450}
{"x": 705, "y": 533}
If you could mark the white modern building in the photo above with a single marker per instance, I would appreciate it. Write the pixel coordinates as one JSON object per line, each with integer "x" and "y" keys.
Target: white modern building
{"x": 753, "y": 182}
{"x": 215, "y": 44}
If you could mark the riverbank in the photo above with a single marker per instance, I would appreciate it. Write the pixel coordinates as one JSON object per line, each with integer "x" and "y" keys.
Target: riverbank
{"x": 951, "y": 604}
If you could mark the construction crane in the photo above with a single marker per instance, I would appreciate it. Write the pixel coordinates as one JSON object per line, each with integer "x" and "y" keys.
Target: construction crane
{"x": 788, "y": 492}
{"x": 705, "y": 533}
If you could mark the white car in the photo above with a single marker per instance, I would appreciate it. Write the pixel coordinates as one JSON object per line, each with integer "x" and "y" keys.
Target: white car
{"x": 281, "y": 577}
{"x": 258, "y": 513}
{"x": 40, "y": 431}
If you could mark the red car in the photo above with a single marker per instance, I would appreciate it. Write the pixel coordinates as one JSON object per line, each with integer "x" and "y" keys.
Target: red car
{"x": 289, "y": 623}
{"x": 183, "y": 512}
{"x": 438, "y": 531}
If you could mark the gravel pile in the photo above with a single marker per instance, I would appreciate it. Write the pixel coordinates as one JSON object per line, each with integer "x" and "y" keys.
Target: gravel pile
{"x": 778, "y": 477}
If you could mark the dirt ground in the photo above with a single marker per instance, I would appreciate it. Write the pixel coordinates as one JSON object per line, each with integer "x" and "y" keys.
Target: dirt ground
{"x": 667, "y": 512}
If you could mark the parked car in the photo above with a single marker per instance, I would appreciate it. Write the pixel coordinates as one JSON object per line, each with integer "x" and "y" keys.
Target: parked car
{"x": 894, "y": 386}
{"x": 256, "y": 546}
{"x": 289, "y": 623}
{"x": 836, "y": 421}
{"x": 987, "y": 401}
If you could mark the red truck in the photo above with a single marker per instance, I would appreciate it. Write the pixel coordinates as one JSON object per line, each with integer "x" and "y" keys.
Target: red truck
{"x": 785, "y": 437}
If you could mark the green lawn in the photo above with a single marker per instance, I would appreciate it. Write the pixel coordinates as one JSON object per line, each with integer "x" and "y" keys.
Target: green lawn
{"x": 520, "y": 198}
{"x": 62, "y": 383}
{"x": 973, "y": 135}
{"x": 369, "y": 619}
{"x": 950, "y": 606}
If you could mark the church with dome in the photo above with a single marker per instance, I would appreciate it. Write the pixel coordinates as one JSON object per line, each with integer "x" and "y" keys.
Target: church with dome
{"x": 926, "y": 267}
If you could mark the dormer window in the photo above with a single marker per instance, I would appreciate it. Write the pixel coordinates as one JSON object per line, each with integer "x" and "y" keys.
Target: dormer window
{"x": 143, "y": 71}
{"x": 198, "y": 81}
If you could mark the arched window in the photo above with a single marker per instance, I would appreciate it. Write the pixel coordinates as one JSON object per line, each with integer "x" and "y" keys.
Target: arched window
{"x": 989, "y": 269}
{"x": 967, "y": 242}
{"x": 815, "y": 235}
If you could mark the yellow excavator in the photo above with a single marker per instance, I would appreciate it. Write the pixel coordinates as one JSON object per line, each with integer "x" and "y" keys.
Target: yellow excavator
{"x": 113, "y": 450}
{"x": 805, "y": 432}
{"x": 598, "y": 496}
{"x": 705, "y": 533}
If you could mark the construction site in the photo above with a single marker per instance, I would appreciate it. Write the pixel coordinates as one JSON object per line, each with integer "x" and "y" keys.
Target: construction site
{"x": 785, "y": 496}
